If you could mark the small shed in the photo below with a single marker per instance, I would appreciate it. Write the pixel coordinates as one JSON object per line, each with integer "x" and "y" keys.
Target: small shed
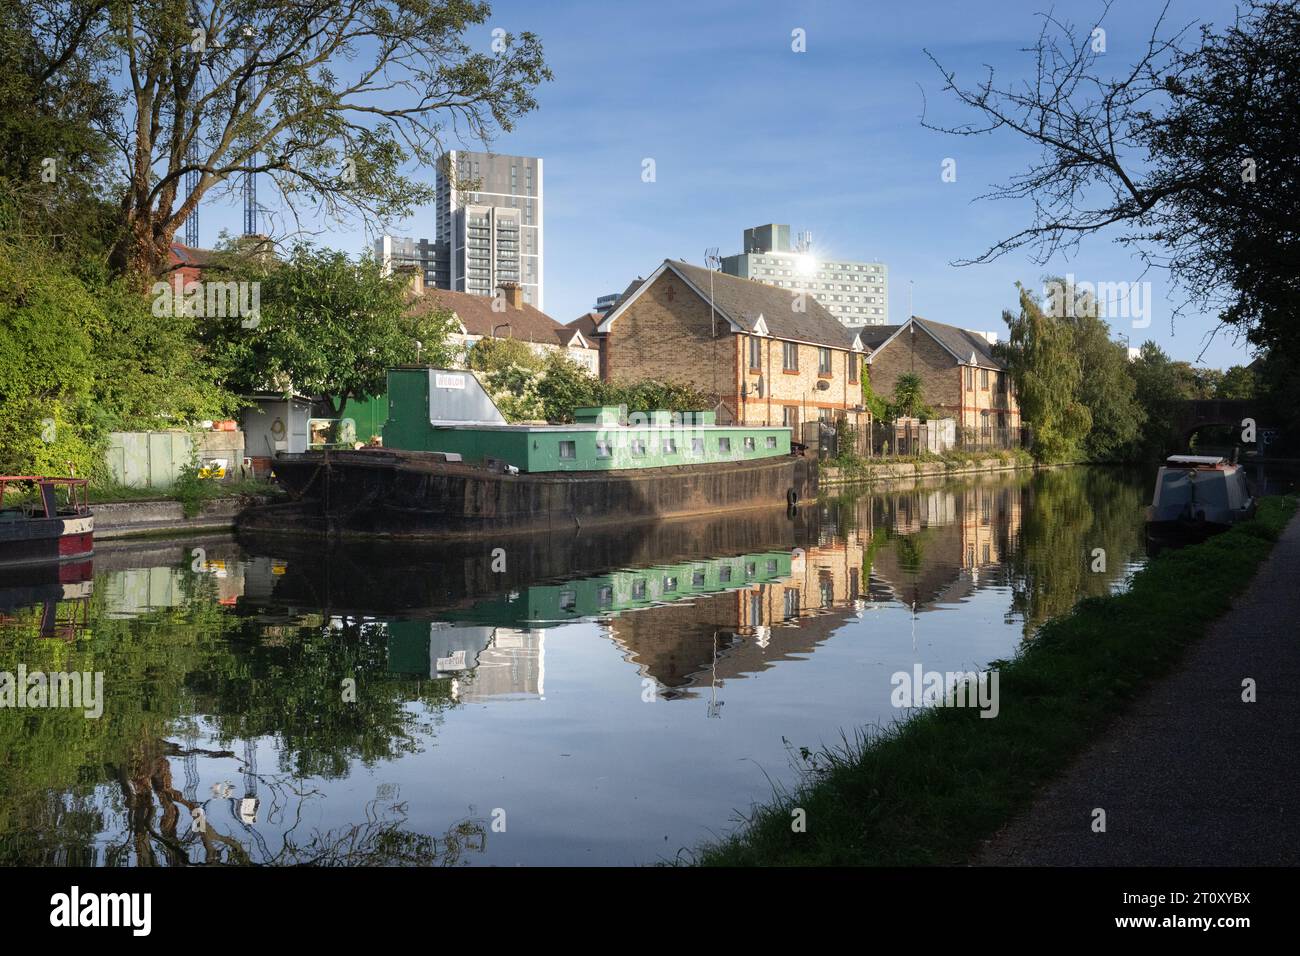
{"x": 274, "y": 423}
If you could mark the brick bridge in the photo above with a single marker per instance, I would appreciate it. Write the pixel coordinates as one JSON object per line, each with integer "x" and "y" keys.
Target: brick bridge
{"x": 1204, "y": 413}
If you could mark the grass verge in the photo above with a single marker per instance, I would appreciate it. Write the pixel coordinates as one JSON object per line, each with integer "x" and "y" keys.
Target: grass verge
{"x": 928, "y": 790}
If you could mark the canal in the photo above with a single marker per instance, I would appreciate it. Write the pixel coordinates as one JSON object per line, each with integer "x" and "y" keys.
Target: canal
{"x": 569, "y": 699}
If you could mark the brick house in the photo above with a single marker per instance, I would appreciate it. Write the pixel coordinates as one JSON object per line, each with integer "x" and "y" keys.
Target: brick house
{"x": 961, "y": 377}
{"x": 505, "y": 316}
{"x": 771, "y": 356}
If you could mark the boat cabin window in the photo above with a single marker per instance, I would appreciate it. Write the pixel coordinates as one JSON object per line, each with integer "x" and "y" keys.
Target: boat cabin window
{"x": 670, "y": 446}
{"x": 724, "y": 445}
{"x": 749, "y": 444}
{"x": 638, "y": 446}
{"x": 568, "y": 449}
{"x": 697, "y": 447}
{"x": 771, "y": 441}
{"x": 603, "y": 449}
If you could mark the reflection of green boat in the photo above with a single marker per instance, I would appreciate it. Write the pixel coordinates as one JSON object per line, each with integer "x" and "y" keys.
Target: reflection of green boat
{"x": 506, "y": 630}
{"x": 628, "y": 590}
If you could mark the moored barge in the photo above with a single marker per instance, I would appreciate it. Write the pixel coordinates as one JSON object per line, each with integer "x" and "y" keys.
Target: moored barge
{"x": 451, "y": 466}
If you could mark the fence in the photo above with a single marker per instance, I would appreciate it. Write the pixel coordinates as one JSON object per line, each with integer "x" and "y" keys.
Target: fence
{"x": 904, "y": 438}
{"x": 155, "y": 459}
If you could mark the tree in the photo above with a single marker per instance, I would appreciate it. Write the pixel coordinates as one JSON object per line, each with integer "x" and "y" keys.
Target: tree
{"x": 909, "y": 397}
{"x": 1106, "y": 386}
{"x": 1161, "y": 389}
{"x": 55, "y": 100}
{"x": 327, "y": 100}
{"x": 566, "y": 385}
{"x": 328, "y": 326}
{"x": 1188, "y": 156}
{"x": 1044, "y": 368}
{"x": 1238, "y": 383}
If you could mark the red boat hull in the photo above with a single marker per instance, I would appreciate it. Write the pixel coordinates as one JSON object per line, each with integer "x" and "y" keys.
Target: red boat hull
{"x": 34, "y": 541}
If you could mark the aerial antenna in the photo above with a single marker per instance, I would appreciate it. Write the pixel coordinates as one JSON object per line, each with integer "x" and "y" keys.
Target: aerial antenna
{"x": 713, "y": 262}
{"x": 250, "y": 177}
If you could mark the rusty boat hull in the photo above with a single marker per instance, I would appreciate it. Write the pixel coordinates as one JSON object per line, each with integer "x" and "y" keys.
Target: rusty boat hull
{"x": 401, "y": 494}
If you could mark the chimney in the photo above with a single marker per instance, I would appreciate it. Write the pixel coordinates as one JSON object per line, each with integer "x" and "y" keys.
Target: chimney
{"x": 513, "y": 293}
{"x": 414, "y": 277}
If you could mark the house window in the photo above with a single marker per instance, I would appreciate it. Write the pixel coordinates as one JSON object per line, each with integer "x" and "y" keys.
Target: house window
{"x": 826, "y": 415}
{"x": 984, "y": 379}
{"x": 749, "y": 443}
{"x": 755, "y": 353}
{"x": 824, "y": 362}
{"x": 568, "y": 449}
{"x": 853, "y": 367}
{"x": 790, "y": 416}
{"x": 790, "y": 356}
{"x": 724, "y": 446}
{"x": 970, "y": 378}
{"x": 791, "y": 604}
{"x": 756, "y": 608}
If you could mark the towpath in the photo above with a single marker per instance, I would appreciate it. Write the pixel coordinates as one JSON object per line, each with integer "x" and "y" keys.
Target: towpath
{"x": 1191, "y": 775}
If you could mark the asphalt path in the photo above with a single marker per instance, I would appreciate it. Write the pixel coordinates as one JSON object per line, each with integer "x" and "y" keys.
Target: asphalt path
{"x": 1191, "y": 775}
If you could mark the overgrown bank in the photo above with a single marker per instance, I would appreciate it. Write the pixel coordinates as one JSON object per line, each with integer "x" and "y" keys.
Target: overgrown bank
{"x": 928, "y": 790}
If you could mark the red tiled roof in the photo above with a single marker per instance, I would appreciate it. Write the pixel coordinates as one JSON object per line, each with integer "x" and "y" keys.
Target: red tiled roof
{"x": 477, "y": 316}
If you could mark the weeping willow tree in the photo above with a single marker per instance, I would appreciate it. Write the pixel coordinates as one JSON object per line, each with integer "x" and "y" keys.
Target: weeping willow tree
{"x": 1046, "y": 372}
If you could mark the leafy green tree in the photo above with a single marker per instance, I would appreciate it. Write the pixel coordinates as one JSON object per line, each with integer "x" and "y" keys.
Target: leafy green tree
{"x": 329, "y": 326}
{"x": 1106, "y": 386}
{"x": 1045, "y": 370}
{"x": 1162, "y": 386}
{"x": 1237, "y": 383}
{"x": 566, "y": 385}
{"x": 909, "y": 397}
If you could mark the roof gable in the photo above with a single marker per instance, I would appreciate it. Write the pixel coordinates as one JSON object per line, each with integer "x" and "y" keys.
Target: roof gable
{"x": 965, "y": 347}
{"x": 750, "y": 306}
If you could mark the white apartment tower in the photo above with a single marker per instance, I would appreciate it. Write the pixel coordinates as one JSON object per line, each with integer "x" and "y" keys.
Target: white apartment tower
{"x": 856, "y": 293}
{"x": 489, "y": 209}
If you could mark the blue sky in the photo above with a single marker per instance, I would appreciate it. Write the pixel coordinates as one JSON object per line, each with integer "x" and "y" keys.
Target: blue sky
{"x": 745, "y": 131}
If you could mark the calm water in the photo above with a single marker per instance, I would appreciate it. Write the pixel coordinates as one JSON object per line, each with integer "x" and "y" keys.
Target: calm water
{"x": 606, "y": 700}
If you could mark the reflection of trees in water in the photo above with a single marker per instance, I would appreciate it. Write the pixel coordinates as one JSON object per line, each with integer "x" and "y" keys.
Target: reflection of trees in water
{"x": 252, "y": 680}
{"x": 1067, "y": 513}
{"x": 161, "y": 827}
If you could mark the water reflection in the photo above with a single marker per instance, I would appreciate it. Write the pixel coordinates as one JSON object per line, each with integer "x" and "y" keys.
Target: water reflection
{"x": 596, "y": 699}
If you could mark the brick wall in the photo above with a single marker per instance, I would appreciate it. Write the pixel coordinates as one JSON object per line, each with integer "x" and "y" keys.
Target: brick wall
{"x": 943, "y": 381}
{"x": 667, "y": 334}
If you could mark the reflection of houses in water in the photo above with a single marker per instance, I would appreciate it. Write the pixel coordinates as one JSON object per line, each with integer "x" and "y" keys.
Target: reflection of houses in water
{"x": 485, "y": 661}
{"x": 940, "y": 545}
{"x": 801, "y": 600}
